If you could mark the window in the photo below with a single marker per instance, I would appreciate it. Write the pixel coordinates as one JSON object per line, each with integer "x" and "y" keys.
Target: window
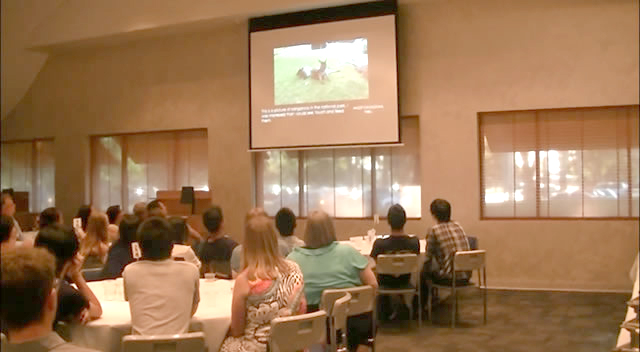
{"x": 345, "y": 183}
{"x": 30, "y": 167}
{"x": 127, "y": 169}
{"x": 561, "y": 163}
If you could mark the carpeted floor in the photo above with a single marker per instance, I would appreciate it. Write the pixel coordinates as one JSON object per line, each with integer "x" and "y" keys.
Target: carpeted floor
{"x": 517, "y": 321}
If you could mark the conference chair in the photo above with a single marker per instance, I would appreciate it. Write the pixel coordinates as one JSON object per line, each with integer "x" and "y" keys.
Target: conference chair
{"x": 396, "y": 265}
{"x": 189, "y": 342}
{"x": 295, "y": 333}
{"x": 337, "y": 320}
{"x": 461, "y": 262}
{"x": 362, "y": 301}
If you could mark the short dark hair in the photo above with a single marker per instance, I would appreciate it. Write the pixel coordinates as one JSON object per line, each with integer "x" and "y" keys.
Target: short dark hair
{"x": 83, "y": 213}
{"x": 155, "y": 208}
{"x": 6, "y": 225}
{"x": 154, "y": 237}
{"x": 285, "y": 221}
{"x": 112, "y": 213}
{"x": 27, "y": 279}
{"x": 212, "y": 219}
{"x": 396, "y": 217}
{"x": 48, "y": 216}
{"x": 179, "y": 229}
{"x": 441, "y": 210}
{"x": 61, "y": 241}
{"x": 154, "y": 204}
{"x": 128, "y": 228}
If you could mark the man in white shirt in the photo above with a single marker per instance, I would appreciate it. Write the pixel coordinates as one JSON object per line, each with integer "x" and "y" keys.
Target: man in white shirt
{"x": 163, "y": 294}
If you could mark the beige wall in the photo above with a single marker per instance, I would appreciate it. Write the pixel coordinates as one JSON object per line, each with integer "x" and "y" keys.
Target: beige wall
{"x": 456, "y": 58}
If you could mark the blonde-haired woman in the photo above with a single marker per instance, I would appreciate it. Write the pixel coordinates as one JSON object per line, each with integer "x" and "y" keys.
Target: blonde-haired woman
{"x": 95, "y": 246}
{"x": 327, "y": 264}
{"x": 268, "y": 287}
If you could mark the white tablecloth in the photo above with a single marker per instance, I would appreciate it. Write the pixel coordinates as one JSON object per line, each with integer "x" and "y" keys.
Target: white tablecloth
{"x": 213, "y": 316}
{"x": 625, "y": 337}
{"x": 364, "y": 246}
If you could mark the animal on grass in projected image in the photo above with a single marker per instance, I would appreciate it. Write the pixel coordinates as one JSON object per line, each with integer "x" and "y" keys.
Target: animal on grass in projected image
{"x": 328, "y": 71}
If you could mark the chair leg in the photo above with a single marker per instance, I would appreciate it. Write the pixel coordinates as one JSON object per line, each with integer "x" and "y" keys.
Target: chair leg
{"x": 484, "y": 294}
{"x": 429, "y": 298}
{"x": 455, "y": 306}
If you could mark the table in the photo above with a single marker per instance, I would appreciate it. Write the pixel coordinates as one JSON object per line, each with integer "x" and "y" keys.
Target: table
{"x": 625, "y": 337}
{"x": 213, "y": 316}
{"x": 364, "y": 246}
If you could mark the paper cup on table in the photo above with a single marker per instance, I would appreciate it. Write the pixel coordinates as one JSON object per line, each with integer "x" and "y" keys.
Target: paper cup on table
{"x": 119, "y": 284}
{"x": 210, "y": 277}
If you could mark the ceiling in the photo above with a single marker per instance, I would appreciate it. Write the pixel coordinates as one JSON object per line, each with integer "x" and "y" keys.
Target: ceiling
{"x": 31, "y": 29}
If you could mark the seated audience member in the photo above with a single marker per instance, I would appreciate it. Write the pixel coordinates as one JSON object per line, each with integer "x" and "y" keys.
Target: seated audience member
{"x": 396, "y": 243}
{"x": 443, "y": 241}
{"x": 215, "y": 251}
{"x": 95, "y": 246}
{"x": 325, "y": 263}
{"x": 179, "y": 235}
{"x": 163, "y": 294}
{"x": 269, "y": 287}
{"x": 83, "y": 213}
{"x": 8, "y": 233}
{"x": 156, "y": 208}
{"x": 9, "y": 209}
{"x": 49, "y": 216}
{"x": 30, "y": 273}
{"x": 237, "y": 255}
{"x": 74, "y": 305}
{"x": 114, "y": 214}
{"x": 286, "y": 223}
{"x": 120, "y": 254}
{"x": 140, "y": 210}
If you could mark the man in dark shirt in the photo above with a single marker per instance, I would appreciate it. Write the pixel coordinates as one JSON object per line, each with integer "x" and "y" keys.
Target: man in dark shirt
{"x": 30, "y": 273}
{"x": 215, "y": 251}
{"x": 396, "y": 243}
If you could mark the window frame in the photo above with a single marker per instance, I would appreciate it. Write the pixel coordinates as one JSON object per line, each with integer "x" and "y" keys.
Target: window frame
{"x": 368, "y": 150}
{"x": 481, "y": 150}
{"x": 35, "y": 171}
{"x": 124, "y": 182}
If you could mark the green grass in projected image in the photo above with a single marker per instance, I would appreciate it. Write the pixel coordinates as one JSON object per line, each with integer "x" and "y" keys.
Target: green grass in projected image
{"x": 343, "y": 81}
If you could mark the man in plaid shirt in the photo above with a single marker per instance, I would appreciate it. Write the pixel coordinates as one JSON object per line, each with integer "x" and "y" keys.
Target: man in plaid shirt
{"x": 443, "y": 241}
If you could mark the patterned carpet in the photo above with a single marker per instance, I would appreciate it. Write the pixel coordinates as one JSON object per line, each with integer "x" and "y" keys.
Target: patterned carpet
{"x": 517, "y": 321}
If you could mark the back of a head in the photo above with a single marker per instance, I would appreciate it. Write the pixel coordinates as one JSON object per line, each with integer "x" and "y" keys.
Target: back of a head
{"x": 27, "y": 279}
{"x": 441, "y": 210}
{"x": 212, "y": 219}
{"x": 261, "y": 254}
{"x": 320, "y": 230}
{"x": 97, "y": 227}
{"x": 128, "y": 228}
{"x": 140, "y": 210}
{"x": 154, "y": 237}
{"x": 48, "y": 216}
{"x": 6, "y": 225}
{"x": 156, "y": 208}
{"x": 60, "y": 240}
{"x": 8, "y": 202}
{"x": 285, "y": 221}
{"x": 113, "y": 212}
{"x": 179, "y": 229}
{"x": 83, "y": 213}
{"x": 397, "y": 217}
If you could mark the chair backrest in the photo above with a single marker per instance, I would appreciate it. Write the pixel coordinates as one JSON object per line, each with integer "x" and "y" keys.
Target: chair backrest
{"x": 189, "y": 342}
{"x": 362, "y": 299}
{"x": 396, "y": 264}
{"x": 469, "y": 260}
{"x": 340, "y": 312}
{"x": 298, "y": 332}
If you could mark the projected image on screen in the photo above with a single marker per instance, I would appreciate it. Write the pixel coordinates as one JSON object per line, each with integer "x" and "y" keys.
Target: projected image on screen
{"x": 320, "y": 72}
